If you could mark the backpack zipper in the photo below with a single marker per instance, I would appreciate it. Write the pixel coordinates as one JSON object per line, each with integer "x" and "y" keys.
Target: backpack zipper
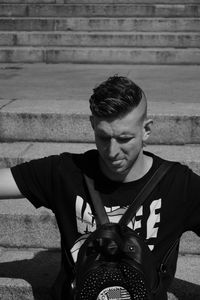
{"x": 163, "y": 266}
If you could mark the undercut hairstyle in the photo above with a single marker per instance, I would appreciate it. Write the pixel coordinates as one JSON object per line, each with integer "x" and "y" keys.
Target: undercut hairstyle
{"x": 116, "y": 97}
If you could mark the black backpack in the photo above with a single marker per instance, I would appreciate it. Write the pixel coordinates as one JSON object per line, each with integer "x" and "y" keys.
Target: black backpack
{"x": 115, "y": 262}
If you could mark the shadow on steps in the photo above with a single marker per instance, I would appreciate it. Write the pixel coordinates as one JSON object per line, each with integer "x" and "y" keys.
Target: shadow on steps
{"x": 40, "y": 273}
{"x": 184, "y": 290}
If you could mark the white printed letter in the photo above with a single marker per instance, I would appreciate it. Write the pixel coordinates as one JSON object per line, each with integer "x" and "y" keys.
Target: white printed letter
{"x": 154, "y": 218}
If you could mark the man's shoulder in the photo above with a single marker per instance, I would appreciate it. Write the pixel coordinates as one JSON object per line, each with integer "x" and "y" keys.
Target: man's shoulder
{"x": 82, "y": 156}
{"x": 159, "y": 158}
{"x": 83, "y": 161}
{"x": 62, "y": 160}
{"x": 177, "y": 166}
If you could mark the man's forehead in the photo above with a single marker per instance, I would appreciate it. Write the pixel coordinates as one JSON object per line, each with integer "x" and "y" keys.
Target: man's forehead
{"x": 115, "y": 127}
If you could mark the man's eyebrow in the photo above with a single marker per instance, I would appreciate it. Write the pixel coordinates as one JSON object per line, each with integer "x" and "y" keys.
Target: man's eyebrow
{"x": 121, "y": 135}
{"x": 101, "y": 132}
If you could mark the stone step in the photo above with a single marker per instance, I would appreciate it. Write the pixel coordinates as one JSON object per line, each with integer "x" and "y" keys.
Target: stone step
{"x": 39, "y": 1}
{"x": 101, "y": 1}
{"x": 161, "y": 83}
{"x": 94, "y": 55}
{"x": 68, "y": 121}
{"x": 23, "y": 226}
{"x": 103, "y": 24}
{"x": 18, "y": 152}
{"x": 100, "y": 39}
{"x": 117, "y": 10}
{"x": 28, "y": 274}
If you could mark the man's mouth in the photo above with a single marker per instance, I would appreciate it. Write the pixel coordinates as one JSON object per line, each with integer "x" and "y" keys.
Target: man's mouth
{"x": 116, "y": 162}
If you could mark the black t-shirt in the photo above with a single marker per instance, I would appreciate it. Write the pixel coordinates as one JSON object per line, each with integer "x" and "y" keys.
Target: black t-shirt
{"x": 57, "y": 183}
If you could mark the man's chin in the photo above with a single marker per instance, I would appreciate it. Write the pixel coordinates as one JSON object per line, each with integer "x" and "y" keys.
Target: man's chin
{"x": 117, "y": 169}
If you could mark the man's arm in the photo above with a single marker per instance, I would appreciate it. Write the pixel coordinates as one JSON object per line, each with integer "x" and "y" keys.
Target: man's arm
{"x": 8, "y": 187}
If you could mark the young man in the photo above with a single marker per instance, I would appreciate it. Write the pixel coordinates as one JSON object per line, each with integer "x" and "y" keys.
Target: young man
{"x": 120, "y": 168}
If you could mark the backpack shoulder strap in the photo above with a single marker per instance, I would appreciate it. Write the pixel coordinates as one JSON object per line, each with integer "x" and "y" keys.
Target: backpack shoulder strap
{"x": 137, "y": 202}
{"x": 96, "y": 200}
{"x": 145, "y": 192}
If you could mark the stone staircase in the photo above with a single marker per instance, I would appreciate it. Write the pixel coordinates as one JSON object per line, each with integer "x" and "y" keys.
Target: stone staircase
{"x": 29, "y": 238}
{"x": 57, "y": 31}
{"x": 94, "y": 31}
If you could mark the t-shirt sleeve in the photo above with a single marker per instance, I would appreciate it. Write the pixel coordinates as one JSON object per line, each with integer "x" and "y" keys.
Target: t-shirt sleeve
{"x": 192, "y": 219}
{"x": 35, "y": 180}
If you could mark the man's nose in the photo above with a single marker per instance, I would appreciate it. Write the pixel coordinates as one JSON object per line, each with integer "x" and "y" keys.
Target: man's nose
{"x": 113, "y": 149}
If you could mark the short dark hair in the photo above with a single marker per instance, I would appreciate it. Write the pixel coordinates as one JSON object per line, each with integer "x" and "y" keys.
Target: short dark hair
{"x": 116, "y": 96}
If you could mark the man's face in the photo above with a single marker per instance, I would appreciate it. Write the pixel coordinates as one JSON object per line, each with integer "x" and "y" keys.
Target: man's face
{"x": 120, "y": 142}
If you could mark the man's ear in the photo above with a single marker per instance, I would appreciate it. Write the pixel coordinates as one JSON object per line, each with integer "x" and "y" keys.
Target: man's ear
{"x": 147, "y": 128}
{"x": 92, "y": 121}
